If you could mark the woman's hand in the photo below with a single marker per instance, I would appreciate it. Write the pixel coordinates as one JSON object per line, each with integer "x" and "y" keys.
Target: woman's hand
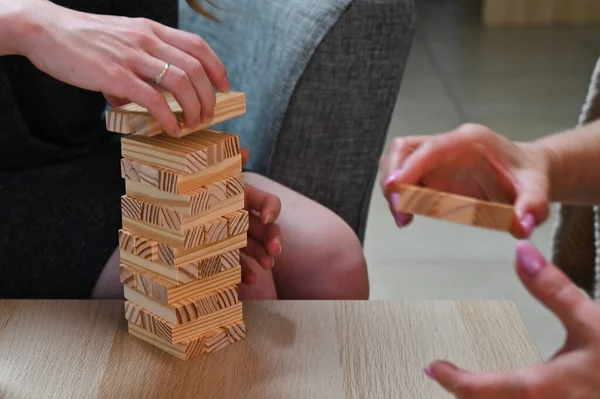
{"x": 474, "y": 161}
{"x": 264, "y": 235}
{"x": 571, "y": 373}
{"x": 121, "y": 57}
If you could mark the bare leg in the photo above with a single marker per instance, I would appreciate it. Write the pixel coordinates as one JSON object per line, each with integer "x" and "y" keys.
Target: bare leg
{"x": 321, "y": 256}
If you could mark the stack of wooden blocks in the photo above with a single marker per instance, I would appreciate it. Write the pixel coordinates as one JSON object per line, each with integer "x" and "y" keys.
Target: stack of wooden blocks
{"x": 184, "y": 224}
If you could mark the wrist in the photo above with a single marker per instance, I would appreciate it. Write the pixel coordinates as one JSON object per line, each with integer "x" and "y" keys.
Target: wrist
{"x": 21, "y": 25}
{"x": 553, "y": 167}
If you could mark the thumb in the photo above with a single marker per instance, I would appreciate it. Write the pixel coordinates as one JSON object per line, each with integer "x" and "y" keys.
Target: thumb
{"x": 115, "y": 101}
{"x": 532, "y": 204}
{"x": 550, "y": 285}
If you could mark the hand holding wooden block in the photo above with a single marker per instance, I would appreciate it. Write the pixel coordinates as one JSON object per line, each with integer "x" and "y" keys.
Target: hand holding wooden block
{"x": 454, "y": 208}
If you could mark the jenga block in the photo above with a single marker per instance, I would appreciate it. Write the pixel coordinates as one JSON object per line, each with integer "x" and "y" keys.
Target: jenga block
{"x": 126, "y": 240}
{"x": 160, "y": 289}
{"x": 188, "y": 309}
{"x": 143, "y": 282}
{"x": 174, "y": 275}
{"x": 130, "y": 169}
{"x": 209, "y": 266}
{"x": 190, "y": 203}
{"x": 176, "y": 333}
{"x": 127, "y": 276}
{"x": 208, "y": 232}
{"x": 133, "y": 314}
{"x": 237, "y": 222}
{"x": 453, "y": 208}
{"x": 230, "y": 259}
{"x": 211, "y": 341}
{"x": 217, "y": 192}
{"x": 131, "y": 207}
{"x": 183, "y": 155}
{"x": 214, "y": 148}
{"x": 235, "y": 185}
{"x": 133, "y": 118}
{"x": 215, "y": 230}
{"x": 177, "y": 183}
{"x": 176, "y": 291}
{"x": 146, "y": 248}
{"x": 231, "y": 143}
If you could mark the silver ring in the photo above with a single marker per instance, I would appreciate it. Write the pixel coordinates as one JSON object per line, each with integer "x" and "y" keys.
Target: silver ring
{"x": 159, "y": 78}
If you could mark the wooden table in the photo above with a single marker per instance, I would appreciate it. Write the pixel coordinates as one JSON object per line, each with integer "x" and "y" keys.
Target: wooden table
{"x": 366, "y": 349}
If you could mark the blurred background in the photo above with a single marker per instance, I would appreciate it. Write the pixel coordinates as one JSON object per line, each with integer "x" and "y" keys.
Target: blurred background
{"x": 523, "y": 70}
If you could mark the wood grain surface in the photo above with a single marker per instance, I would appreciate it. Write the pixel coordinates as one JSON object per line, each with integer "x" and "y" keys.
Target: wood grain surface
{"x": 454, "y": 208}
{"x": 292, "y": 349}
{"x": 133, "y": 118}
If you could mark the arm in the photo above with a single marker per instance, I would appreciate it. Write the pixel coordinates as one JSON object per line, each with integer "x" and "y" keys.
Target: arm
{"x": 574, "y": 159}
{"x": 15, "y": 25}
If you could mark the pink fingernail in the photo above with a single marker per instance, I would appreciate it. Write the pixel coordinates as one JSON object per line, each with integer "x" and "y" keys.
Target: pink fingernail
{"x": 391, "y": 178}
{"x": 529, "y": 258}
{"x": 528, "y": 223}
{"x": 429, "y": 373}
{"x": 178, "y": 131}
{"x": 400, "y": 218}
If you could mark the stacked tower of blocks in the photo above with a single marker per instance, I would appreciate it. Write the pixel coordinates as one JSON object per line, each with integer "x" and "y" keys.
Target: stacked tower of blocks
{"x": 184, "y": 224}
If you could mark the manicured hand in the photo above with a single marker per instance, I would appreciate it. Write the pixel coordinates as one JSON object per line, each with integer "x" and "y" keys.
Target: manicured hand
{"x": 572, "y": 373}
{"x": 121, "y": 56}
{"x": 474, "y": 161}
{"x": 264, "y": 235}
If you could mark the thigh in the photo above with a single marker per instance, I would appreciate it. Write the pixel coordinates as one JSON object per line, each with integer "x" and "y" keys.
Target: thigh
{"x": 321, "y": 256}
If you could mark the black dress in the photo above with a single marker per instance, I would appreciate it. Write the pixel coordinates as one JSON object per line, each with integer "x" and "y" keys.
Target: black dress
{"x": 60, "y": 182}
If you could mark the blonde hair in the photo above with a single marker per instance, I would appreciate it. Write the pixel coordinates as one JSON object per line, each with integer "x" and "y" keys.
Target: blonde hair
{"x": 197, "y": 6}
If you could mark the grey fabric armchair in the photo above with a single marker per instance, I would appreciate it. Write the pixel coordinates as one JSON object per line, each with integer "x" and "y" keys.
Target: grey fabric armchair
{"x": 321, "y": 78}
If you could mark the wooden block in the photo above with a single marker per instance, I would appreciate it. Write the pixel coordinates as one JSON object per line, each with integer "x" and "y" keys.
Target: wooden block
{"x": 176, "y": 291}
{"x": 177, "y": 183}
{"x": 176, "y": 257}
{"x": 132, "y": 118}
{"x": 133, "y": 314}
{"x": 230, "y": 259}
{"x": 146, "y": 248}
{"x": 217, "y": 192}
{"x": 131, "y": 207}
{"x": 130, "y": 169}
{"x": 215, "y": 230}
{"x": 174, "y": 275}
{"x": 235, "y": 185}
{"x": 178, "y": 155}
{"x": 176, "y": 333}
{"x": 209, "y": 231}
{"x": 454, "y": 208}
{"x": 231, "y": 144}
{"x": 214, "y": 149}
{"x": 127, "y": 276}
{"x": 211, "y": 341}
{"x": 209, "y": 266}
{"x": 188, "y": 309}
{"x": 237, "y": 222}
{"x": 126, "y": 240}
{"x": 193, "y": 202}
{"x": 143, "y": 282}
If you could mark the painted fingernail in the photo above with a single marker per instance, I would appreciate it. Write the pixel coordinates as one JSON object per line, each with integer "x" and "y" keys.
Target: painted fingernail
{"x": 528, "y": 223}
{"x": 529, "y": 258}
{"x": 391, "y": 178}
{"x": 267, "y": 219}
{"x": 429, "y": 373}
{"x": 278, "y": 248}
{"x": 178, "y": 131}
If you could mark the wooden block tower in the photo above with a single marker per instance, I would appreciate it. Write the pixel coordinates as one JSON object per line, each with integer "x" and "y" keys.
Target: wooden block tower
{"x": 184, "y": 224}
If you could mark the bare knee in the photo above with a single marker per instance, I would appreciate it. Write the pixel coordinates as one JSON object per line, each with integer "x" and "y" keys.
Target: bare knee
{"x": 346, "y": 268}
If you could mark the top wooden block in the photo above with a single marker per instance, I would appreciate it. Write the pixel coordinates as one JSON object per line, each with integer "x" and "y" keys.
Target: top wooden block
{"x": 454, "y": 208}
{"x": 134, "y": 119}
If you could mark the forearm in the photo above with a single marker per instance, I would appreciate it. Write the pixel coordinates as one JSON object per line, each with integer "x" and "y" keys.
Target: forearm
{"x": 574, "y": 164}
{"x": 19, "y": 24}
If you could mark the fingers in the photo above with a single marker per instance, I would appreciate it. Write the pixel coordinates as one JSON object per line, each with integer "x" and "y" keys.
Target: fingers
{"x": 148, "y": 97}
{"x": 115, "y": 101}
{"x": 392, "y": 161}
{"x": 268, "y": 206}
{"x": 245, "y": 155}
{"x": 258, "y": 251}
{"x": 199, "y": 106}
{"x": 248, "y": 263}
{"x": 197, "y": 47}
{"x": 269, "y": 235}
{"x": 532, "y": 204}
{"x": 523, "y": 384}
{"x": 552, "y": 288}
